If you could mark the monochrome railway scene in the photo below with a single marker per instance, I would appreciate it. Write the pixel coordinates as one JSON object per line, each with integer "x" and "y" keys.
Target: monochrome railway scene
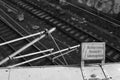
{"x": 59, "y": 39}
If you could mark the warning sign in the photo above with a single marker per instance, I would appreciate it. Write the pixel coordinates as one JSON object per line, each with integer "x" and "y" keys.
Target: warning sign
{"x": 93, "y": 51}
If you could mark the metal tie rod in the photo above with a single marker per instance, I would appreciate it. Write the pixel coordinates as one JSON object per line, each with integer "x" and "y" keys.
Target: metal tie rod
{"x": 25, "y": 37}
{"x": 25, "y": 47}
{"x": 63, "y": 54}
{"x": 47, "y": 55}
{"x": 30, "y": 54}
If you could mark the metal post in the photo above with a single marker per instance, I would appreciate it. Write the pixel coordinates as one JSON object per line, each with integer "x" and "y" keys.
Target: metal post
{"x": 25, "y": 47}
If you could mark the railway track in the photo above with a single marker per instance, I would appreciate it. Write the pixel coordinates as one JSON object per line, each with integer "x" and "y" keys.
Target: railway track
{"x": 79, "y": 33}
{"x": 93, "y": 16}
{"x": 79, "y": 23}
{"x": 94, "y": 12}
{"x": 46, "y": 43}
{"x": 8, "y": 33}
{"x": 111, "y": 25}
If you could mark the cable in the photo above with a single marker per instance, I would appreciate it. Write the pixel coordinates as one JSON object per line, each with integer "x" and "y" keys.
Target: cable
{"x": 64, "y": 53}
{"x": 57, "y": 46}
{"x": 62, "y": 42}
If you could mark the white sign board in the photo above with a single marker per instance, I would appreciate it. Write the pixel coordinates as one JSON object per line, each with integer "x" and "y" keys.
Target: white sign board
{"x": 93, "y": 51}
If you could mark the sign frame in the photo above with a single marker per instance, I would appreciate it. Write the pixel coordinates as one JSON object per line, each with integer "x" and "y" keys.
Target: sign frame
{"x": 84, "y": 54}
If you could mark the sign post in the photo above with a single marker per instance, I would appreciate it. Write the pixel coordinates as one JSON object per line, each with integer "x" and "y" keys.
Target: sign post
{"x": 93, "y": 51}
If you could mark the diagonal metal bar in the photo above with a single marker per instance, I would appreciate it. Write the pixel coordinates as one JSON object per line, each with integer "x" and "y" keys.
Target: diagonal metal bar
{"x": 64, "y": 54}
{"x": 25, "y": 47}
{"x": 21, "y": 38}
{"x": 34, "y": 53}
{"x": 47, "y": 55}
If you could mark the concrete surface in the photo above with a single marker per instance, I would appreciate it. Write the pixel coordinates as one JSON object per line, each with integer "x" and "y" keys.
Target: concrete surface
{"x": 60, "y": 72}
